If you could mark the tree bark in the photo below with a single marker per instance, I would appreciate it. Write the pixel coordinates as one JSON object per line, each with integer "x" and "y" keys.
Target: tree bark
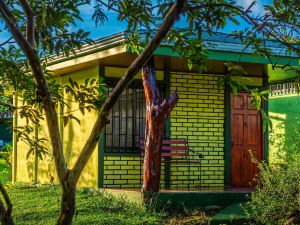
{"x": 67, "y": 207}
{"x": 157, "y": 111}
{"x": 5, "y": 212}
{"x": 5, "y": 217}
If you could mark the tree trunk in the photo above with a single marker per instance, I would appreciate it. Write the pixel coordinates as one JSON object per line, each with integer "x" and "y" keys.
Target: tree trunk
{"x": 67, "y": 208}
{"x": 157, "y": 111}
{"x": 5, "y": 217}
{"x": 5, "y": 212}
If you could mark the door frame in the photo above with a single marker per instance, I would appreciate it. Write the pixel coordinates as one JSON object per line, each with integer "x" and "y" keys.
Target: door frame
{"x": 227, "y": 135}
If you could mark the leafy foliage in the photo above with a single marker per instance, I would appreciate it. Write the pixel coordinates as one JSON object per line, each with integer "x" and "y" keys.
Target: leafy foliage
{"x": 6, "y": 154}
{"x": 89, "y": 95}
{"x": 53, "y": 35}
{"x": 276, "y": 200}
{"x": 280, "y": 22}
{"x": 237, "y": 80}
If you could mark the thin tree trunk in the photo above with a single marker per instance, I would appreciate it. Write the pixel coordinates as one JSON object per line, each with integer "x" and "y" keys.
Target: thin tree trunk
{"x": 67, "y": 208}
{"x": 5, "y": 217}
{"x": 157, "y": 111}
{"x": 5, "y": 212}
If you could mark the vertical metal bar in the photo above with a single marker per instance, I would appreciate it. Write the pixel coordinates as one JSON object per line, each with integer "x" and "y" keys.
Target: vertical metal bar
{"x": 127, "y": 117}
{"x": 139, "y": 107}
{"x": 112, "y": 127}
{"x": 133, "y": 118}
{"x": 120, "y": 121}
{"x": 200, "y": 165}
{"x": 139, "y": 116}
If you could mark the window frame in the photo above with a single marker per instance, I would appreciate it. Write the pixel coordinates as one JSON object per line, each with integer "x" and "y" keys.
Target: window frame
{"x": 111, "y": 82}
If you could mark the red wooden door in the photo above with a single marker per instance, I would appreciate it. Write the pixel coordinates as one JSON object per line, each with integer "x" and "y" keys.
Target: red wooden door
{"x": 246, "y": 134}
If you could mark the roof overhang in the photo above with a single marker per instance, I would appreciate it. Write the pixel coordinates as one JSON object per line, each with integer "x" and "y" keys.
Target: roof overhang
{"x": 220, "y": 48}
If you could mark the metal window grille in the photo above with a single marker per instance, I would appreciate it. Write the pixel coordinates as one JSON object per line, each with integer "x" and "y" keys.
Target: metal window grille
{"x": 127, "y": 121}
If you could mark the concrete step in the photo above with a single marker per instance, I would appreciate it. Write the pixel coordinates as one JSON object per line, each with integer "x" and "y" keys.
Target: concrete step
{"x": 231, "y": 215}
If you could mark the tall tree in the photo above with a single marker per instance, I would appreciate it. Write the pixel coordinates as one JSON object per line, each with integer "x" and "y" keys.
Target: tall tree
{"x": 157, "y": 112}
{"x": 40, "y": 28}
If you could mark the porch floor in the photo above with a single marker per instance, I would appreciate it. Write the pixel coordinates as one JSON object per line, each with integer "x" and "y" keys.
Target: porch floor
{"x": 176, "y": 199}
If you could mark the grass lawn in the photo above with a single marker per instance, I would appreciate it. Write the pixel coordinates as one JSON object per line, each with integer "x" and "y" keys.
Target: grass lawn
{"x": 40, "y": 205}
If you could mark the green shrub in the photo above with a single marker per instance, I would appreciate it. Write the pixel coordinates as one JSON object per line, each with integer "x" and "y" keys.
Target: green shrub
{"x": 7, "y": 156}
{"x": 276, "y": 200}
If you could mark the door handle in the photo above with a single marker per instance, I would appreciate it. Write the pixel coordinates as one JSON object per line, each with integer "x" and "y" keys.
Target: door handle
{"x": 231, "y": 142}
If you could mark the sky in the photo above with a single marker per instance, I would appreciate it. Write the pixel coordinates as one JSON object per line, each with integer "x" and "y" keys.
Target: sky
{"x": 112, "y": 25}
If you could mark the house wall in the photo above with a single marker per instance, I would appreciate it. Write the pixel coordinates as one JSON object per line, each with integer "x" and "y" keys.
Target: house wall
{"x": 199, "y": 118}
{"x": 284, "y": 112}
{"x": 73, "y": 136}
{"x": 122, "y": 170}
{"x": 24, "y": 166}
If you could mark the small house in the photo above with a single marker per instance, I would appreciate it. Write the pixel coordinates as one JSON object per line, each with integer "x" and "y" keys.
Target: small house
{"x": 218, "y": 126}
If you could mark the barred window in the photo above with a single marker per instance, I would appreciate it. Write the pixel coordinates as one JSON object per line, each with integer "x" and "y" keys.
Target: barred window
{"x": 127, "y": 121}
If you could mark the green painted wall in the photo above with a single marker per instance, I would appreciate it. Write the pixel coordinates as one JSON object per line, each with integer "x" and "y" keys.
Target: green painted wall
{"x": 284, "y": 112}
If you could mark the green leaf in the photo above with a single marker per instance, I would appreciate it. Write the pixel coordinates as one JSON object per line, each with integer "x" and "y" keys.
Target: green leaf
{"x": 190, "y": 64}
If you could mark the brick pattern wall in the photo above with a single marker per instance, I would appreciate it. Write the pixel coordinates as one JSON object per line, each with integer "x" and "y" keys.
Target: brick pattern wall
{"x": 199, "y": 118}
{"x": 124, "y": 172}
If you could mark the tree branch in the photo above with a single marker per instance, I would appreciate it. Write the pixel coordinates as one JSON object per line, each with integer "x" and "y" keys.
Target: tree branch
{"x": 171, "y": 17}
{"x": 173, "y": 100}
{"x": 29, "y": 22}
{"x": 43, "y": 89}
{"x": 8, "y": 41}
{"x": 149, "y": 83}
{"x": 6, "y": 198}
{"x": 244, "y": 14}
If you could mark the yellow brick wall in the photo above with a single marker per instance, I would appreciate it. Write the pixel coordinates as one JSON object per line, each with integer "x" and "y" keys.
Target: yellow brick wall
{"x": 199, "y": 118}
{"x": 122, "y": 171}
{"x": 125, "y": 171}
